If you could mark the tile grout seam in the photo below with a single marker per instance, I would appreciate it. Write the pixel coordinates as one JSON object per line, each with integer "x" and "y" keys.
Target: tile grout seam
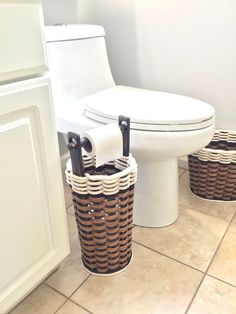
{"x": 167, "y": 256}
{"x": 68, "y": 206}
{"x": 210, "y": 215}
{"x": 229, "y": 225}
{"x": 58, "y": 292}
{"x": 60, "y": 306}
{"x": 55, "y": 290}
{"x": 84, "y": 308}
{"x": 185, "y": 170}
{"x": 68, "y": 297}
{"x": 221, "y": 280}
{"x": 79, "y": 286}
{"x": 205, "y": 274}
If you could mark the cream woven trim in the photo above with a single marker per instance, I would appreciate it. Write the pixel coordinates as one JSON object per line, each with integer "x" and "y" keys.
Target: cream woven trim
{"x": 225, "y": 135}
{"x": 102, "y": 184}
{"x": 219, "y": 155}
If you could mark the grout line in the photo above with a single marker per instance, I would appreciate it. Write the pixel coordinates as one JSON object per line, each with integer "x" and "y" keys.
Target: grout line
{"x": 79, "y": 286}
{"x": 57, "y": 291}
{"x": 204, "y": 213}
{"x": 182, "y": 173}
{"x": 76, "y": 291}
{"x": 228, "y": 283}
{"x": 169, "y": 257}
{"x": 84, "y": 308}
{"x": 54, "y": 289}
{"x": 231, "y": 223}
{"x": 67, "y": 207}
{"x": 60, "y": 306}
{"x": 221, "y": 240}
{"x": 209, "y": 265}
{"x": 195, "y": 293}
{"x": 212, "y": 215}
{"x": 78, "y": 305}
{"x": 68, "y": 297}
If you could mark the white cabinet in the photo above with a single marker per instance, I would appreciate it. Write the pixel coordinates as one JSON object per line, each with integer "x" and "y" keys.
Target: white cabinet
{"x": 22, "y": 46}
{"x": 33, "y": 233}
{"x": 33, "y": 228}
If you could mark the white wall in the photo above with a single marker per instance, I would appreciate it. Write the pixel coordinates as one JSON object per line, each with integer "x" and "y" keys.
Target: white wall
{"x": 182, "y": 46}
{"x": 67, "y": 11}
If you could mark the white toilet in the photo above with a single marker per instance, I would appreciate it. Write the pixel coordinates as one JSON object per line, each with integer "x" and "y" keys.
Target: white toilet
{"x": 164, "y": 126}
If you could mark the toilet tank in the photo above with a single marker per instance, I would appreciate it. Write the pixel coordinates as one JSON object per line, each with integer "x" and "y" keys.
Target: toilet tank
{"x": 78, "y": 61}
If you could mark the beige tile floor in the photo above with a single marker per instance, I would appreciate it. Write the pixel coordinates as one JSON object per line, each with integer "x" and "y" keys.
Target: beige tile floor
{"x": 188, "y": 267}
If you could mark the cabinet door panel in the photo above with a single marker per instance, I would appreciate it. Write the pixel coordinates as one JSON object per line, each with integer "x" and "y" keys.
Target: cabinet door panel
{"x": 33, "y": 234}
{"x": 22, "y": 50}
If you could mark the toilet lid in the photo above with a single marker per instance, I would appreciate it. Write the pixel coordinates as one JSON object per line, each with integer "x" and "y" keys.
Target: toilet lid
{"x": 149, "y": 110}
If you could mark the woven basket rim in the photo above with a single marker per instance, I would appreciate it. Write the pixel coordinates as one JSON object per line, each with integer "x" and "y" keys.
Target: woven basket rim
{"x": 105, "y": 184}
{"x": 101, "y": 177}
{"x": 219, "y": 155}
{"x": 219, "y": 151}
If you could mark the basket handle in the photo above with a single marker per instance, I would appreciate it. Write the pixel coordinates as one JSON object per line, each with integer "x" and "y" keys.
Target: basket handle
{"x": 75, "y": 148}
{"x": 75, "y": 144}
{"x": 124, "y": 124}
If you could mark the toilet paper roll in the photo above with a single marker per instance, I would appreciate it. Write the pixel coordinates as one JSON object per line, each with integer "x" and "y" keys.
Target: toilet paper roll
{"x": 106, "y": 143}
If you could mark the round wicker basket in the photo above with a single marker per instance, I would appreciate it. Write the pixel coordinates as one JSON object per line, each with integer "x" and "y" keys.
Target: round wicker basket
{"x": 213, "y": 168}
{"x": 103, "y": 204}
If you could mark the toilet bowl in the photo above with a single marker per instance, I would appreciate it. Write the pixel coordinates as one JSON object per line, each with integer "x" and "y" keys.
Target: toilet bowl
{"x": 164, "y": 126}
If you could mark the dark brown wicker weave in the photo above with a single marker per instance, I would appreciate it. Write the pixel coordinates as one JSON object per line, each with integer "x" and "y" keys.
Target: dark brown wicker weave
{"x": 105, "y": 230}
{"x": 213, "y": 169}
{"x": 105, "y": 225}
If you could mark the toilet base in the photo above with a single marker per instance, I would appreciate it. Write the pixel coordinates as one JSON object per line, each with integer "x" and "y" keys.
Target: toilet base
{"x": 156, "y": 193}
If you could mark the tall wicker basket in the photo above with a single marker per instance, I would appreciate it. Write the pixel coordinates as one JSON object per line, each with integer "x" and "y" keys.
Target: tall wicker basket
{"x": 213, "y": 168}
{"x": 103, "y": 204}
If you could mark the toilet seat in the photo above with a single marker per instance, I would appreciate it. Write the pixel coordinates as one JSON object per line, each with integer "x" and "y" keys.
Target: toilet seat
{"x": 162, "y": 111}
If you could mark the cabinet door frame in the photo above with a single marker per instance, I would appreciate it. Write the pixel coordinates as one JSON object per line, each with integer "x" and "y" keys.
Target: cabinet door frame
{"x": 16, "y": 98}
